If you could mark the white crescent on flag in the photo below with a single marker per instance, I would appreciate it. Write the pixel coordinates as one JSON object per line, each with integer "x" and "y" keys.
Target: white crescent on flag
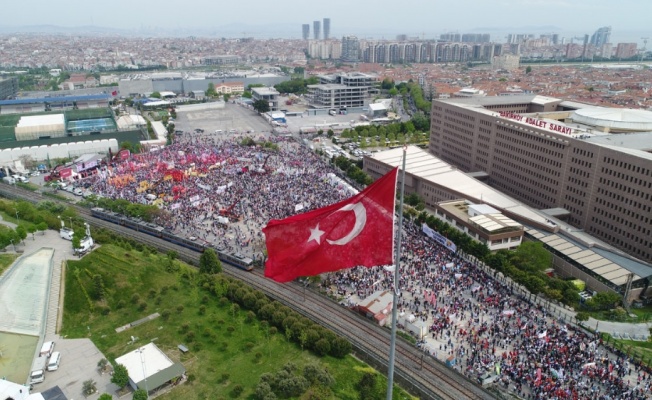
{"x": 360, "y": 221}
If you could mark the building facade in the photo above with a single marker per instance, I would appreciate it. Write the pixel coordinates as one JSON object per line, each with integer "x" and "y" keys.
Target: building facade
{"x": 342, "y": 90}
{"x": 591, "y": 165}
{"x": 350, "y": 49}
{"x": 316, "y": 30}
{"x": 268, "y": 94}
{"x": 305, "y": 31}
{"x": 327, "y": 28}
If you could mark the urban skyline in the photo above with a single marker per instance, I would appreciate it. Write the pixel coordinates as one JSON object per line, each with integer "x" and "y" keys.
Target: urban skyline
{"x": 199, "y": 17}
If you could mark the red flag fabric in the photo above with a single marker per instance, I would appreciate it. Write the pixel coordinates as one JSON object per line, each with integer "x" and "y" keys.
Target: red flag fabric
{"x": 358, "y": 231}
{"x": 114, "y": 93}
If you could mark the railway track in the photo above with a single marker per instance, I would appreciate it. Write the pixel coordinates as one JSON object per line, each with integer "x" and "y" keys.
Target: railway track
{"x": 421, "y": 375}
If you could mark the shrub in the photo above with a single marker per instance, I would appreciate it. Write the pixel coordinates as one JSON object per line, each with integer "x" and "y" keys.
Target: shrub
{"x": 165, "y": 315}
{"x": 142, "y": 306}
{"x": 180, "y": 308}
{"x": 237, "y": 390}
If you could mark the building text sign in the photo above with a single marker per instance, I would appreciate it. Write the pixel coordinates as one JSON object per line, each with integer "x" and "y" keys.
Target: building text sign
{"x": 536, "y": 122}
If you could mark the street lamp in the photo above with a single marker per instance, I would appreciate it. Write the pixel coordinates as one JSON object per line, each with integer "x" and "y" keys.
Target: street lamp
{"x": 12, "y": 244}
{"x": 17, "y": 219}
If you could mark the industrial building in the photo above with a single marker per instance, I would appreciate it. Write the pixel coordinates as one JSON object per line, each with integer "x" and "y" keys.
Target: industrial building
{"x": 449, "y": 194}
{"x": 183, "y": 83}
{"x": 27, "y": 105}
{"x": 344, "y": 90}
{"x": 8, "y": 88}
{"x": 221, "y": 60}
{"x": 590, "y": 166}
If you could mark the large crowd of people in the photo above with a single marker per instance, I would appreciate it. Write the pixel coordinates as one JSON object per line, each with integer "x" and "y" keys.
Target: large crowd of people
{"x": 217, "y": 190}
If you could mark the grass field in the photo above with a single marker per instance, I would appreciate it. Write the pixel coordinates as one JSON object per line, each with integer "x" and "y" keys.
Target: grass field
{"x": 229, "y": 347}
{"x": 6, "y": 260}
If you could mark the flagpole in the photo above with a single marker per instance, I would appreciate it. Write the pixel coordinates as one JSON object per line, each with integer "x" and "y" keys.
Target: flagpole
{"x": 397, "y": 260}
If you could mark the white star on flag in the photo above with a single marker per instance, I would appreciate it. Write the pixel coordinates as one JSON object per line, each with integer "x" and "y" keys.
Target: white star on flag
{"x": 315, "y": 234}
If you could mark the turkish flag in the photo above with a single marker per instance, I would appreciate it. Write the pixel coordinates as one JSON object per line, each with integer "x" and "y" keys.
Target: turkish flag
{"x": 114, "y": 93}
{"x": 358, "y": 231}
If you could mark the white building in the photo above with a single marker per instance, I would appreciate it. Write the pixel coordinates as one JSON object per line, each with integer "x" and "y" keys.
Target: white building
{"x": 149, "y": 368}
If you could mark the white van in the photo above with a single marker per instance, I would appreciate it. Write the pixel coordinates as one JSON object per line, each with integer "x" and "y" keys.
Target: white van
{"x": 38, "y": 371}
{"x": 53, "y": 364}
{"x": 47, "y": 349}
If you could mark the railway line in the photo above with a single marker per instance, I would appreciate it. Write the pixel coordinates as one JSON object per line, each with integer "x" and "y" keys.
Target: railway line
{"x": 421, "y": 375}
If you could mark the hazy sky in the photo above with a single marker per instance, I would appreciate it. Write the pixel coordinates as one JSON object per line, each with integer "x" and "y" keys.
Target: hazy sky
{"x": 629, "y": 19}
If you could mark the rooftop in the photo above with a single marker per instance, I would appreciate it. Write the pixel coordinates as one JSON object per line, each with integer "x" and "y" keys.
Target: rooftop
{"x": 56, "y": 99}
{"x": 425, "y": 166}
{"x": 144, "y": 362}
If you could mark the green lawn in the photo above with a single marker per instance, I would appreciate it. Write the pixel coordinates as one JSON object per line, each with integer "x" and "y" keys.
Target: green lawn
{"x": 6, "y": 260}
{"x": 226, "y": 348}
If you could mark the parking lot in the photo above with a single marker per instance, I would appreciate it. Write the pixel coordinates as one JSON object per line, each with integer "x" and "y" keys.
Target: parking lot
{"x": 232, "y": 117}
{"x": 79, "y": 358}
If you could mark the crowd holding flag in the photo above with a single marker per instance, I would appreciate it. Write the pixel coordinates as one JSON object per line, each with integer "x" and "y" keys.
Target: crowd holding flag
{"x": 358, "y": 231}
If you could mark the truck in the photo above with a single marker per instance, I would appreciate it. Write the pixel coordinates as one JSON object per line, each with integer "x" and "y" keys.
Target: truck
{"x": 38, "y": 370}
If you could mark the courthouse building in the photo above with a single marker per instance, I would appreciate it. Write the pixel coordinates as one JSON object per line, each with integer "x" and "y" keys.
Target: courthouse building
{"x": 589, "y": 166}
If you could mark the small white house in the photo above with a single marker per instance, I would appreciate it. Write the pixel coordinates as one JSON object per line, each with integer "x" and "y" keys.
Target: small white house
{"x": 149, "y": 368}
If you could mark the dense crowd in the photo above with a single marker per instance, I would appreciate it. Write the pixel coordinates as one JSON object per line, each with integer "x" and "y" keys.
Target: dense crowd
{"x": 219, "y": 191}
{"x": 484, "y": 326}
{"x": 474, "y": 319}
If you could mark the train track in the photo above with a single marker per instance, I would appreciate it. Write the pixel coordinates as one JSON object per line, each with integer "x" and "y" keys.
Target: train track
{"x": 421, "y": 375}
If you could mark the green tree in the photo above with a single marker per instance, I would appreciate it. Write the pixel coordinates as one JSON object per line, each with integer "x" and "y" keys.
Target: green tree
{"x": 528, "y": 69}
{"x": 21, "y": 232}
{"x": 140, "y": 394}
{"x": 156, "y": 95}
{"x": 531, "y": 257}
{"x": 89, "y": 387}
{"x": 120, "y": 376}
{"x": 42, "y": 226}
{"x": 262, "y": 106}
{"x": 105, "y": 396}
{"x": 582, "y": 316}
{"x": 210, "y": 92}
{"x": 209, "y": 263}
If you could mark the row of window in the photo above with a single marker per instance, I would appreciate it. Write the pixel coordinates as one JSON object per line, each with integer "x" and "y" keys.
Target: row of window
{"x": 627, "y": 200}
{"x": 627, "y": 177}
{"x": 633, "y": 168}
{"x": 635, "y": 244}
{"x": 522, "y": 187}
{"x": 583, "y": 153}
{"x": 627, "y": 188}
{"x": 521, "y": 164}
{"x": 531, "y": 138}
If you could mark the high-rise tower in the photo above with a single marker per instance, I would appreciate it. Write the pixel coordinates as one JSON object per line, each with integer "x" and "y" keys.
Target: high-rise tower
{"x": 601, "y": 36}
{"x": 327, "y": 28}
{"x": 305, "y": 31}
{"x": 316, "y": 29}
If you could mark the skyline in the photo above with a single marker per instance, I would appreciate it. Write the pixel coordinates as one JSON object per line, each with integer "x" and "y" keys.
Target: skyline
{"x": 413, "y": 18}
